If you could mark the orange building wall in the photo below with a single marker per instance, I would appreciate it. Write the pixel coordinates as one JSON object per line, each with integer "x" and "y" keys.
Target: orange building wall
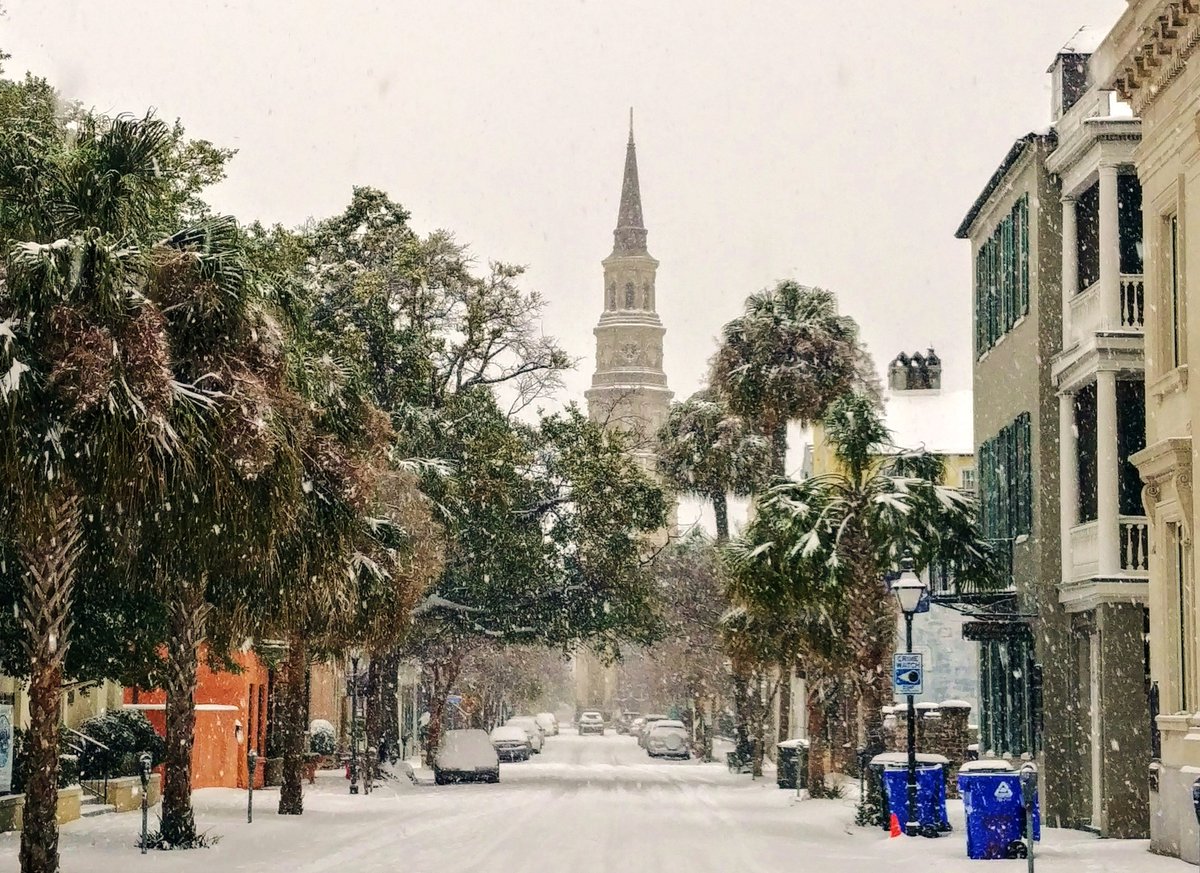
{"x": 223, "y": 702}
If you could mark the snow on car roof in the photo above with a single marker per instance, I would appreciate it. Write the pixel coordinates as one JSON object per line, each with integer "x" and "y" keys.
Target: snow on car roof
{"x": 509, "y": 732}
{"x": 667, "y": 723}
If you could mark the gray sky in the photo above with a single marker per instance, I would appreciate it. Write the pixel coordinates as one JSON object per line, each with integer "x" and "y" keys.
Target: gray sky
{"x": 809, "y": 139}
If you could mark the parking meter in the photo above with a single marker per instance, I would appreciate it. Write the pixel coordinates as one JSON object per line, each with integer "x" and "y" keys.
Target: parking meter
{"x": 144, "y": 762}
{"x": 251, "y": 767}
{"x": 1029, "y": 786}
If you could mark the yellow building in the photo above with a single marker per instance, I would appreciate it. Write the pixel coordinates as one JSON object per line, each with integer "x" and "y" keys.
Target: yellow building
{"x": 1149, "y": 54}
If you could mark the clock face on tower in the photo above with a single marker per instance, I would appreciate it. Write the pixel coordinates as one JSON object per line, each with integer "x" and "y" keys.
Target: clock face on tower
{"x": 629, "y": 352}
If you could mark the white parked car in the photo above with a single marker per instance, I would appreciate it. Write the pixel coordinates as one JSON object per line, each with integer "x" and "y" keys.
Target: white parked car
{"x": 531, "y": 728}
{"x": 668, "y": 739}
{"x": 591, "y": 722}
{"x": 512, "y": 743}
{"x": 466, "y": 756}
{"x": 548, "y": 722}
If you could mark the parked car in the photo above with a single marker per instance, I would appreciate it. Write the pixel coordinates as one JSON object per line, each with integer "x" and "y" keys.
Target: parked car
{"x": 512, "y": 743}
{"x": 668, "y": 739}
{"x": 646, "y": 726}
{"x": 532, "y": 729}
{"x": 548, "y": 722}
{"x": 466, "y": 756}
{"x": 635, "y": 727}
{"x": 624, "y": 721}
{"x": 591, "y": 722}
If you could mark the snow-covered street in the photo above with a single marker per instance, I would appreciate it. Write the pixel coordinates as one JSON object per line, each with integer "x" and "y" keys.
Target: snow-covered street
{"x": 587, "y": 804}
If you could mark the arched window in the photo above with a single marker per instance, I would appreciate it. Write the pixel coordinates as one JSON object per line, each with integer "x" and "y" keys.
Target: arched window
{"x": 612, "y": 295}
{"x": 647, "y": 297}
{"x": 629, "y": 302}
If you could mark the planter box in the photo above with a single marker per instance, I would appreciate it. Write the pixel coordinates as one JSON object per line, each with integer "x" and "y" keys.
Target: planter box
{"x": 125, "y": 792}
{"x": 69, "y": 802}
{"x": 12, "y": 808}
{"x": 273, "y": 773}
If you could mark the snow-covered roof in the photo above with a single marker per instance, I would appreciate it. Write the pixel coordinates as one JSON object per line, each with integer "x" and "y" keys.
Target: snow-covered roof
{"x": 1085, "y": 41}
{"x": 938, "y": 420}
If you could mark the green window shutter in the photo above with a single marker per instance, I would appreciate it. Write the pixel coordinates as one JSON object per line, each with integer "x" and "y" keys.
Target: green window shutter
{"x": 1025, "y": 467}
{"x": 980, "y": 311}
{"x": 1024, "y": 254}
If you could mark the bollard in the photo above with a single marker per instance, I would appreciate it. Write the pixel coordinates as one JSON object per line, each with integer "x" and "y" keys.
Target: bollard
{"x": 251, "y": 765}
{"x": 144, "y": 771}
{"x": 1029, "y": 781}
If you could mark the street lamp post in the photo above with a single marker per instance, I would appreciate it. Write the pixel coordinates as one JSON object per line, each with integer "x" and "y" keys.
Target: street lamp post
{"x": 355, "y": 656}
{"x": 909, "y": 590}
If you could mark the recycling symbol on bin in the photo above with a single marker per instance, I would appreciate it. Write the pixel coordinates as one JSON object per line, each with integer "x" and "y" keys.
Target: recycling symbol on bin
{"x": 1003, "y": 792}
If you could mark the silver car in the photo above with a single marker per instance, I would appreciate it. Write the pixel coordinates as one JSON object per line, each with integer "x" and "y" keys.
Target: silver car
{"x": 668, "y": 739}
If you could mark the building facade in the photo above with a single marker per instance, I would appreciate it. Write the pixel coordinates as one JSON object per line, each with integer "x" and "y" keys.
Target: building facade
{"x": 1149, "y": 56}
{"x": 629, "y": 386}
{"x": 1098, "y": 376}
{"x": 1023, "y": 631}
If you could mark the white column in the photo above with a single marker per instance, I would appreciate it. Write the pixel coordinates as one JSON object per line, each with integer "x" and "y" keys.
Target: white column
{"x": 1070, "y": 266}
{"x": 1068, "y": 480}
{"x": 1106, "y": 472}
{"x": 1110, "y": 249}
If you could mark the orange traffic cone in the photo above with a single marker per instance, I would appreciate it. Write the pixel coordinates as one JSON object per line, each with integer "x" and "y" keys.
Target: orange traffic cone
{"x": 895, "y": 827}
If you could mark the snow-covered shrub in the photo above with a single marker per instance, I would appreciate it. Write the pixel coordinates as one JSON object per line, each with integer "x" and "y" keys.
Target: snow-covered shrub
{"x": 322, "y": 738}
{"x": 127, "y": 733}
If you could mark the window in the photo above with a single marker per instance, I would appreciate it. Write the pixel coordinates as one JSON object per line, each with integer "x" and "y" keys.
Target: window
{"x": 612, "y": 295}
{"x": 1002, "y": 277}
{"x": 1177, "y": 353}
{"x": 968, "y": 479}
{"x": 1006, "y": 481}
{"x": 1006, "y": 716}
{"x": 1180, "y": 611}
{"x": 629, "y": 301}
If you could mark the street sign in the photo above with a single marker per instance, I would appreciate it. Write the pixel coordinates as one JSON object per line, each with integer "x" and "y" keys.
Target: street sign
{"x": 908, "y": 673}
{"x": 454, "y": 699}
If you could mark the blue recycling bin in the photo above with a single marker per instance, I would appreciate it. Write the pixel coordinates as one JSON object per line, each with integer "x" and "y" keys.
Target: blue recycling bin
{"x": 995, "y": 813}
{"x": 931, "y": 797}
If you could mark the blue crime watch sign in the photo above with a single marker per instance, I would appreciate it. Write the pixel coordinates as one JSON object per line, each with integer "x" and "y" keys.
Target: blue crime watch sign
{"x": 454, "y": 699}
{"x": 908, "y": 673}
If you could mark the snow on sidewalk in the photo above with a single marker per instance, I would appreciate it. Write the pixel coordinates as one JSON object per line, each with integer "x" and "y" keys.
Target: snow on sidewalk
{"x": 611, "y": 811}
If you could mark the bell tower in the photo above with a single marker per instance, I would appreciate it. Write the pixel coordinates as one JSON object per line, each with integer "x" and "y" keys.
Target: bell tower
{"x": 629, "y": 387}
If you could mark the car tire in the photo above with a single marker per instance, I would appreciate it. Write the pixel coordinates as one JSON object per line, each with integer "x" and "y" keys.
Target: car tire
{"x": 494, "y": 778}
{"x": 439, "y": 778}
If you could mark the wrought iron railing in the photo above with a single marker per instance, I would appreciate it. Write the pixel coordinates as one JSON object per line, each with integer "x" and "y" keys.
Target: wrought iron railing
{"x": 945, "y": 586}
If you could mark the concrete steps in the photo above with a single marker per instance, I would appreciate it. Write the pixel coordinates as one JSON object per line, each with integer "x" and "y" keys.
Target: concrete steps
{"x": 93, "y": 807}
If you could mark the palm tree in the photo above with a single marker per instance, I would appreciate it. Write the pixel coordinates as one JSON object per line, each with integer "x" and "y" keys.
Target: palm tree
{"x": 828, "y": 541}
{"x": 234, "y": 500}
{"x": 85, "y": 392}
{"x": 786, "y": 358}
{"x": 705, "y": 451}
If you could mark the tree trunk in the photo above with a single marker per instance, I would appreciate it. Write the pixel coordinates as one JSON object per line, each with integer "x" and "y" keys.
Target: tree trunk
{"x": 779, "y": 445}
{"x": 389, "y": 696}
{"x": 785, "y": 701}
{"x": 817, "y": 747}
{"x": 50, "y": 556}
{"x": 721, "y": 508}
{"x": 294, "y": 719}
{"x": 742, "y": 711}
{"x": 444, "y": 675}
{"x": 187, "y": 617}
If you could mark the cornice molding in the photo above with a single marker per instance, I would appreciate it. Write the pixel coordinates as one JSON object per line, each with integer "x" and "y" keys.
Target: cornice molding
{"x": 1159, "y": 55}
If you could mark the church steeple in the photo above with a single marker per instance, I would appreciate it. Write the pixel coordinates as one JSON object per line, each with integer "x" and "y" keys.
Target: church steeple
{"x": 630, "y": 236}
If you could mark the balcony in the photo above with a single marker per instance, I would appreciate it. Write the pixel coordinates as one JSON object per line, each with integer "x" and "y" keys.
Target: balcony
{"x": 946, "y": 588}
{"x": 1128, "y": 312}
{"x": 1133, "y": 532}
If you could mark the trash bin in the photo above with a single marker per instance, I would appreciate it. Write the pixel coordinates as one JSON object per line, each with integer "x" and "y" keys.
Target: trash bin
{"x": 991, "y": 793}
{"x": 791, "y": 764}
{"x": 891, "y": 760}
{"x": 931, "y": 797}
